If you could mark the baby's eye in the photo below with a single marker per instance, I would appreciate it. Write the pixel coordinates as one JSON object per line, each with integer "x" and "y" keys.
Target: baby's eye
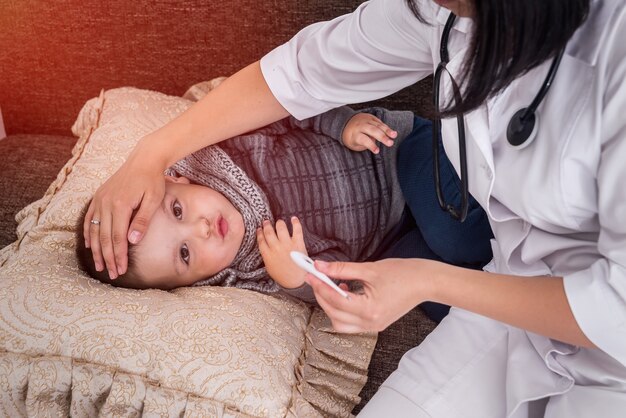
{"x": 177, "y": 210}
{"x": 184, "y": 254}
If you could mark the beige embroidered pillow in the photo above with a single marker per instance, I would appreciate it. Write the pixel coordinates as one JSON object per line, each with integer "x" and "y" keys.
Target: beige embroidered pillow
{"x": 70, "y": 345}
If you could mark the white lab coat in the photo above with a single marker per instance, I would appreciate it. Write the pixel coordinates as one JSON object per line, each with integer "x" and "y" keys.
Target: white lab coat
{"x": 557, "y": 207}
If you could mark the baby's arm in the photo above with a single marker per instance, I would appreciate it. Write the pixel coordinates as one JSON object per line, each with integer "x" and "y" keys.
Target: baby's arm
{"x": 364, "y": 131}
{"x": 335, "y": 122}
{"x": 352, "y": 127}
{"x": 275, "y": 246}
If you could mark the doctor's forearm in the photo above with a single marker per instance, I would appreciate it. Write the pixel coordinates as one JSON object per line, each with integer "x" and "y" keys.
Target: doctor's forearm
{"x": 536, "y": 304}
{"x": 241, "y": 103}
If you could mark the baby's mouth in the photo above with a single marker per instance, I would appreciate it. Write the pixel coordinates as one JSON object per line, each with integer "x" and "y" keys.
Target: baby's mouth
{"x": 222, "y": 226}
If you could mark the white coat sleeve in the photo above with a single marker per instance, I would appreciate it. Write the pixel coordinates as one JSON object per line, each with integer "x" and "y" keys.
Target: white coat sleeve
{"x": 597, "y": 295}
{"x": 370, "y": 53}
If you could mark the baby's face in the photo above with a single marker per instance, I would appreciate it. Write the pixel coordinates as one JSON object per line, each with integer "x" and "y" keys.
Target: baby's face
{"x": 195, "y": 233}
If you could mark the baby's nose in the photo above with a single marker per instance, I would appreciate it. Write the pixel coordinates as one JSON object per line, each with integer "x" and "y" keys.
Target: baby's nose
{"x": 204, "y": 227}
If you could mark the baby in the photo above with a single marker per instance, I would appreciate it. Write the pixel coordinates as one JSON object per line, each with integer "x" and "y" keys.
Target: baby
{"x": 215, "y": 225}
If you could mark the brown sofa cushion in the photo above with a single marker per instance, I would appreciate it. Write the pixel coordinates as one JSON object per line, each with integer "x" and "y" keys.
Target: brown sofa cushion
{"x": 29, "y": 164}
{"x": 56, "y": 55}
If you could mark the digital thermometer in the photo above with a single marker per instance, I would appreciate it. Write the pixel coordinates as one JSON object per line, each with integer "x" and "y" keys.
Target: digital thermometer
{"x": 307, "y": 264}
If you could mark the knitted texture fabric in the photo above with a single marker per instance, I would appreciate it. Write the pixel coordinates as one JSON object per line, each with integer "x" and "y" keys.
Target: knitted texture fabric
{"x": 213, "y": 168}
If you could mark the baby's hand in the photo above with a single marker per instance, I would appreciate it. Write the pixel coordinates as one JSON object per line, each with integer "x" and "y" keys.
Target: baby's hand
{"x": 363, "y": 131}
{"x": 275, "y": 246}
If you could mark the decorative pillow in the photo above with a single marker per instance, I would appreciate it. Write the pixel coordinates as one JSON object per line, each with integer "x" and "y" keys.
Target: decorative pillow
{"x": 70, "y": 345}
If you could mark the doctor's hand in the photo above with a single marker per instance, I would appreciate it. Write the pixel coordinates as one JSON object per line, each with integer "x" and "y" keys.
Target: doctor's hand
{"x": 364, "y": 131}
{"x": 137, "y": 185}
{"x": 391, "y": 288}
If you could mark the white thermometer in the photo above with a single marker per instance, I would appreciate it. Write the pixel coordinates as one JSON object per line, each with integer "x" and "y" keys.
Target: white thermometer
{"x": 307, "y": 264}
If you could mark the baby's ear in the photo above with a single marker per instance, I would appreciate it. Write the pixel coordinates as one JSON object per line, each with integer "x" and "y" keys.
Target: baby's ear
{"x": 181, "y": 179}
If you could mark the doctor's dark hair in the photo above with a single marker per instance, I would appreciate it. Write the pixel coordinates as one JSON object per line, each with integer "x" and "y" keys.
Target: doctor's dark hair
{"x": 511, "y": 37}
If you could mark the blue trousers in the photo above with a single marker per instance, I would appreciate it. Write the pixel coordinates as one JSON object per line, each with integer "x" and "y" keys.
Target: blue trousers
{"x": 432, "y": 232}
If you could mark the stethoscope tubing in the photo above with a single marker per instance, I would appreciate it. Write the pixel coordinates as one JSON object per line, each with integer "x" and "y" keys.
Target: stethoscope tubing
{"x": 520, "y": 136}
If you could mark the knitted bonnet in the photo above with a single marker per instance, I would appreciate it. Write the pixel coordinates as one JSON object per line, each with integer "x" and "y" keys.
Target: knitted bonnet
{"x": 212, "y": 167}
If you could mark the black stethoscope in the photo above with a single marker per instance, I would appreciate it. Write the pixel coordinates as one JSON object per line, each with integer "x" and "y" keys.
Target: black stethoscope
{"x": 521, "y": 131}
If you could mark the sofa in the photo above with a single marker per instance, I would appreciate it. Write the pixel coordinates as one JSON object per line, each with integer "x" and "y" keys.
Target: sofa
{"x": 57, "y": 55}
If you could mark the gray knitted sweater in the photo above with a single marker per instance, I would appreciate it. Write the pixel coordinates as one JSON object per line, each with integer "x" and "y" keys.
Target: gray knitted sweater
{"x": 346, "y": 201}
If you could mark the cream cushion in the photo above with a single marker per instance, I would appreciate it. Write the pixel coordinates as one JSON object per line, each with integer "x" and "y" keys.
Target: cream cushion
{"x": 70, "y": 345}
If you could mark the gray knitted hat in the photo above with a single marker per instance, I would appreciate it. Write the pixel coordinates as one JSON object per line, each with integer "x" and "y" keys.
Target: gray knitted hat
{"x": 213, "y": 168}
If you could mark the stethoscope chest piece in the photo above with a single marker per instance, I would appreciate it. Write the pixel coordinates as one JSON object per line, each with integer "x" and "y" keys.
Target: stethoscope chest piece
{"x": 522, "y": 128}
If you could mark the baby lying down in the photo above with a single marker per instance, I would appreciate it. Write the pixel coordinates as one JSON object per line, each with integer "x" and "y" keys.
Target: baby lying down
{"x": 222, "y": 220}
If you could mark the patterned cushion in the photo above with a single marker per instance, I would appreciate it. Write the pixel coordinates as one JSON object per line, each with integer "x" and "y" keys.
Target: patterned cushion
{"x": 72, "y": 345}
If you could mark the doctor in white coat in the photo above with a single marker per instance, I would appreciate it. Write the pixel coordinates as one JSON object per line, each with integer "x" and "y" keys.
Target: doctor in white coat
{"x": 541, "y": 332}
